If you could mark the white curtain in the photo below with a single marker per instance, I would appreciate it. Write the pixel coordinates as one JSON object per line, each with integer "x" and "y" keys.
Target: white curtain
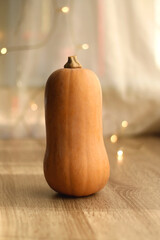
{"x": 122, "y": 45}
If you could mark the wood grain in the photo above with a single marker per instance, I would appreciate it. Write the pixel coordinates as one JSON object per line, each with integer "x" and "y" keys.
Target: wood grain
{"x": 127, "y": 208}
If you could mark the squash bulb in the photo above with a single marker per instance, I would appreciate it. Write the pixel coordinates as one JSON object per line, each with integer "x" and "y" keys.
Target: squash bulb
{"x": 75, "y": 161}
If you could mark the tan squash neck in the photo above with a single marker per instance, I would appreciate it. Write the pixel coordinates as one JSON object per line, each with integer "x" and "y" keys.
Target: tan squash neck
{"x": 72, "y": 63}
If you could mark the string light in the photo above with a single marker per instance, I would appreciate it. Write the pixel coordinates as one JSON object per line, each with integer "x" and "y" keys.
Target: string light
{"x": 120, "y": 155}
{"x": 4, "y": 50}
{"x": 65, "y": 9}
{"x": 34, "y": 107}
{"x": 120, "y": 152}
{"x": 124, "y": 124}
{"x": 114, "y": 138}
{"x": 84, "y": 46}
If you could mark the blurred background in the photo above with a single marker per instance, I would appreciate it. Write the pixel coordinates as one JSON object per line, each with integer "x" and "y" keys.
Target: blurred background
{"x": 118, "y": 39}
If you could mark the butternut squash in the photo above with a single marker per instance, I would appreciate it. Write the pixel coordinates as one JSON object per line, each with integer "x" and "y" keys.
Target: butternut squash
{"x": 76, "y": 161}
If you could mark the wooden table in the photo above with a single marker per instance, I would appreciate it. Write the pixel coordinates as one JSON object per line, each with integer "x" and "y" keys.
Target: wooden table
{"x": 127, "y": 208}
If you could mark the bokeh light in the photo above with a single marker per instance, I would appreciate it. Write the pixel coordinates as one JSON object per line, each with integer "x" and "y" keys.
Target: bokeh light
{"x": 114, "y": 138}
{"x": 124, "y": 124}
{"x": 65, "y": 9}
{"x": 4, "y": 50}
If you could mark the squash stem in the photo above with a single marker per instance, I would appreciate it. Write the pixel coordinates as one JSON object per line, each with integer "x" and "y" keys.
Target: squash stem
{"x": 72, "y": 63}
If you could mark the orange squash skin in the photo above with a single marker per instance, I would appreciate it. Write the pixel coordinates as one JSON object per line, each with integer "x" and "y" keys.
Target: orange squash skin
{"x": 76, "y": 162}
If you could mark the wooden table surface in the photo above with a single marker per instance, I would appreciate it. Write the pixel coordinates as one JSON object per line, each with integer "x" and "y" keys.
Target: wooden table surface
{"x": 127, "y": 208}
